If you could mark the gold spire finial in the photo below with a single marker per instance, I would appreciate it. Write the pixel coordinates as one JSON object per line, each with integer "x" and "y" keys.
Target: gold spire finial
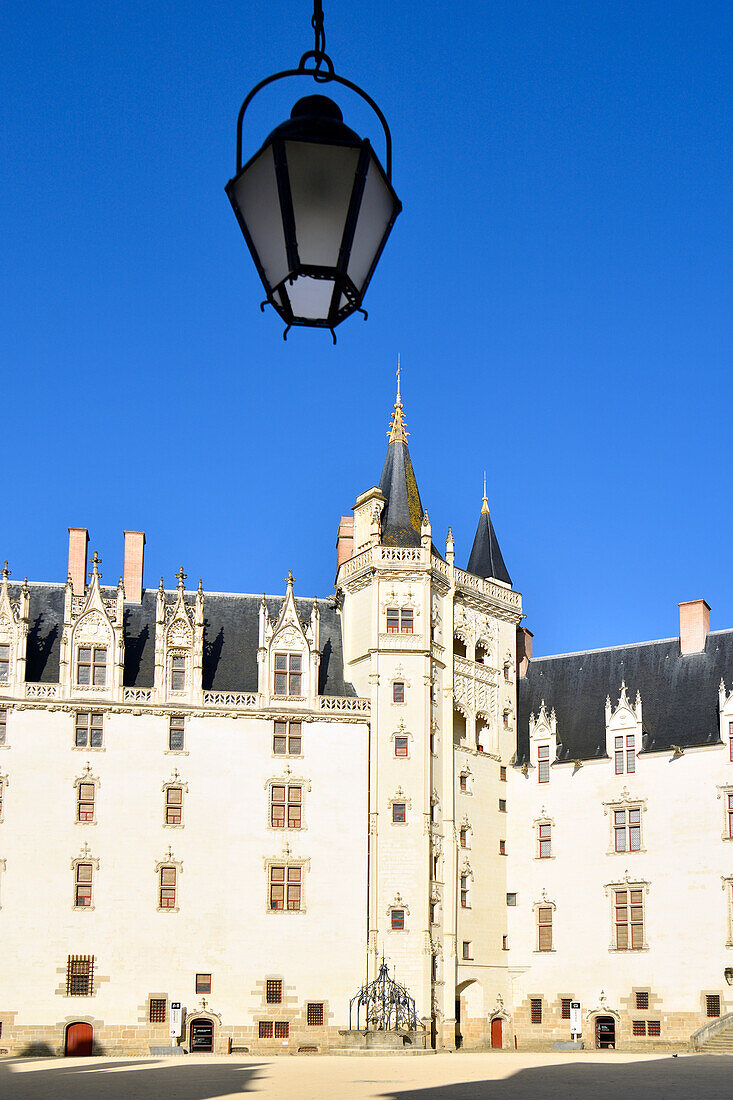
{"x": 397, "y": 433}
{"x": 485, "y": 503}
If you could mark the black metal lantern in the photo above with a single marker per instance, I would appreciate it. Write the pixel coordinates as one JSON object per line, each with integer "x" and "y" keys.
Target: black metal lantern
{"x": 314, "y": 204}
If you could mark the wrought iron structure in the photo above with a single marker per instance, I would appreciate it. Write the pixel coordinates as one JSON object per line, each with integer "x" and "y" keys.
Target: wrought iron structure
{"x": 385, "y": 1004}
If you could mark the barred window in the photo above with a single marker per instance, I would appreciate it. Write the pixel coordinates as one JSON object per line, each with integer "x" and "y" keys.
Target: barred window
{"x": 265, "y": 1029}
{"x": 273, "y": 991}
{"x": 642, "y": 1000}
{"x": 79, "y": 975}
{"x": 157, "y": 1010}
{"x": 638, "y": 1027}
{"x": 83, "y": 873}
{"x": 174, "y": 805}
{"x": 654, "y": 1028}
{"x": 176, "y": 732}
{"x": 282, "y": 1029}
{"x": 315, "y": 1014}
{"x": 3, "y": 725}
{"x": 629, "y": 918}
{"x": 167, "y": 887}
{"x": 288, "y": 669}
{"x": 286, "y": 805}
{"x": 712, "y": 1004}
{"x": 286, "y": 739}
{"x": 203, "y": 983}
{"x": 91, "y": 666}
{"x": 535, "y": 1010}
{"x": 4, "y": 663}
{"x": 565, "y": 1008}
{"x": 178, "y": 673}
{"x": 85, "y": 802}
{"x": 286, "y": 882}
{"x": 544, "y": 928}
{"x": 89, "y": 728}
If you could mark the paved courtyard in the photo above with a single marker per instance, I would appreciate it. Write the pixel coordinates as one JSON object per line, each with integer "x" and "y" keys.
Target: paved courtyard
{"x": 433, "y": 1077}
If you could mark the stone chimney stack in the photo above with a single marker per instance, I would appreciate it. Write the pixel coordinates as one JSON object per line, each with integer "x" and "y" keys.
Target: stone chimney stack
{"x": 134, "y": 553}
{"x": 694, "y": 626}
{"x": 344, "y": 541}
{"x": 524, "y": 650}
{"x": 78, "y": 543}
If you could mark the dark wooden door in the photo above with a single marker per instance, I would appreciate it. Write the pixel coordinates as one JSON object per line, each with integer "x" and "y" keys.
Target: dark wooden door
{"x": 79, "y": 1039}
{"x": 605, "y": 1032}
{"x": 202, "y": 1037}
{"x": 497, "y": 1036}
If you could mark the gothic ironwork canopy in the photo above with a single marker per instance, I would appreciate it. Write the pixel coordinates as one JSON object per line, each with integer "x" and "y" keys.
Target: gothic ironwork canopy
{"x": 385, "y": 1004}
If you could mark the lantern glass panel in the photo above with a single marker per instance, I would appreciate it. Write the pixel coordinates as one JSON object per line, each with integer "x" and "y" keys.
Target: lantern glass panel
{"x": 310, "y": 298}
{"x": 256, "y": 195}
{"x": 321, "y": 184}
{"x": 377, "y": 210}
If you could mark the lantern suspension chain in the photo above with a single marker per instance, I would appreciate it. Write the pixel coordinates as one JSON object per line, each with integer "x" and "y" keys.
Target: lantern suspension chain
{"x": 319, "y": 48}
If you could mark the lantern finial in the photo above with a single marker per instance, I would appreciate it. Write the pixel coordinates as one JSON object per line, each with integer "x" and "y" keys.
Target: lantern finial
{"x": 485, "y": 502}
{"x": 397, "y": 433}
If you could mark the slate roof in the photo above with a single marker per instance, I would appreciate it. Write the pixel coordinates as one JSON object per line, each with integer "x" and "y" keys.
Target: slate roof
{"x": 231, "y": 637}
{"x": 679, "y": 695}
{"x": 403, "y": 512}
{"x": 486, "y": 559}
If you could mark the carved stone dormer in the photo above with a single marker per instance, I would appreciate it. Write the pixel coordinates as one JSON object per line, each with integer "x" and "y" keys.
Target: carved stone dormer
{"x": 92, "y": 656}
{"x": 13, "y": 636}
{"x": 624, "y": 729}
{"x": 289, "y": 653}
{"x": 179, "y": 643}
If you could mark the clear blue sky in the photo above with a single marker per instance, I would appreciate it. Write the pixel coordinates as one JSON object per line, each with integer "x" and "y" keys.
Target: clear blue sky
{"x": 559, "y": 286}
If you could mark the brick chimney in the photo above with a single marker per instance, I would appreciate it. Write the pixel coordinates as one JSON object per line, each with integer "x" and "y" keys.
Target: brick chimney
{"x": 694, "y": 625}
{"x": 78, "y": 543}
{"x": 134, "y": 553}
{"x": 524, "y": 650}
{"x": 344, "y": 541}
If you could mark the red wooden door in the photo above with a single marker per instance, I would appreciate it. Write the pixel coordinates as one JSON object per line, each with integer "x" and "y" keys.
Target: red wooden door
{"x": 497, "y": 1038}
{"x": 79, "y": 1038}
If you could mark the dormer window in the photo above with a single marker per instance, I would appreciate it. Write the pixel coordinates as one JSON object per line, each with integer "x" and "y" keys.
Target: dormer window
{"x": 178, "y": 673}
{"x": 624, "y": 755}
{"x": 543, "y": 763}
{"x": 91, "y": 666}
{"x": 288, "y": 671}
{"x": 4, "y": 663}
{"x": 400, "y": 620}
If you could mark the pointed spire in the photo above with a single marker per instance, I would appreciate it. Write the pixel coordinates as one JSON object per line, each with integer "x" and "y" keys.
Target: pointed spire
{"x": 485, "y": 559}
{"x": 397, "y": 433}
{"x": 401, "y": 518}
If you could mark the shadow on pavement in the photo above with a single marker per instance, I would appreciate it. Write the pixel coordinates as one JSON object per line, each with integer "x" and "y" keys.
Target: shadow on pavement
{"x": 698, "y": 1077}
{"x": 101, "y": 1079}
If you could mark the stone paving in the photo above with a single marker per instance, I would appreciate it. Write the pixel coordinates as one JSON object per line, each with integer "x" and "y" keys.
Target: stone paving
{"x": 488, "y": 1076}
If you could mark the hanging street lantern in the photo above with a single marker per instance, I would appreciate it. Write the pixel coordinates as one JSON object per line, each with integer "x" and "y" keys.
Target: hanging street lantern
{"x": 314, "y": 204}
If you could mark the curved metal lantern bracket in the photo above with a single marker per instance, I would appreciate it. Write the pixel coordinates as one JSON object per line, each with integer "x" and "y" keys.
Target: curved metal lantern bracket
{"x": 322, "y": 76}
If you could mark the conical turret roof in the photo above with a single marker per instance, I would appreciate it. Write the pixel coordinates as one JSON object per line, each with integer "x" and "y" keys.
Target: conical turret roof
{"x": 486, "y": 559}
{"x": 403, "y": 511}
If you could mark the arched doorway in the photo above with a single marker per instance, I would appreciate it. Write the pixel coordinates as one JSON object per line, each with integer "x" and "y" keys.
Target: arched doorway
{"x": 497, "y": 1033}
{"x": 201, "y": 1036}
{"x": 79, "y": 1040}
{"x": 605, "y": 1033}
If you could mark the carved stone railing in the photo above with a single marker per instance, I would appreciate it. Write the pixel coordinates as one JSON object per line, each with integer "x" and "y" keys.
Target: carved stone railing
{"x": 357, "y": 563}
{"x": 474, "y": 670}
{"x": 399, "y": 553}
{"x": 137, "y": 695}
{"x": 440, "y": 566}
{"x": 351, "y": 704}
{"x": 717, "y": 1026}
{"x": 410, "y": 642}
{"x": 42, "y": 691}
{"x": 245, "y": 699}
{"x": 488, "y": 588}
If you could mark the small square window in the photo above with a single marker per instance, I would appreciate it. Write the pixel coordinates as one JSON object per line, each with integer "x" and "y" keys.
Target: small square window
{"x": 157, "y": 1010}
{"x": 654, "y": 1028}
{"x": 282, "y": 1029}
{"x": 398, "y": 691}
{"x": 287, "y": 739}
{"x": 400, "y": 746}
{"x": 265, "y": 1029}
{"x": 638, "y": 1027}
{"x": 511, "y": 899}
{"x": 314, "y": 1014}
{"x": 399, "y": 812}
{"x": 467, "y": 949}
{"x": 79, "y": 975}
{"x": 565, "y": 1008}
{"x": 274, "y": 991}
{"x": 642, "y": 1000}
{"x": 176, "y": 732}
{"x": 502, "y": 773}
{"x": 502, "y": 805}
{"x": 89, "y": 728}
{"x": 712, "y": 1004}
{"x": 535, "y": 1010}
{"x": 397, "y": 919}
{"x": 203, "y": 983}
